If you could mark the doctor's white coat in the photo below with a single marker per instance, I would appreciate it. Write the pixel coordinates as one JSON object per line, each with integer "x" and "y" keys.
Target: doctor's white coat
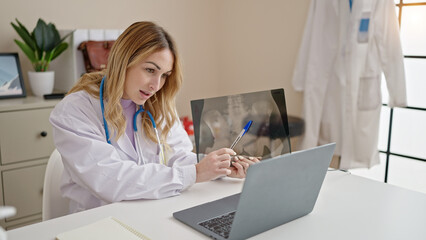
{"x": 339, "y": 70}
{"x": 97, "y": 173}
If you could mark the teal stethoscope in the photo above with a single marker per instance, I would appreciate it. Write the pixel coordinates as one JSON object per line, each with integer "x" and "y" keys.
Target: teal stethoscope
{"x": 141, "y": 110}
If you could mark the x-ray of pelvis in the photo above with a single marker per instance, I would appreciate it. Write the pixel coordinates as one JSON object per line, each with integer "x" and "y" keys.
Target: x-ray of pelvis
{"x": 218, "y": 121}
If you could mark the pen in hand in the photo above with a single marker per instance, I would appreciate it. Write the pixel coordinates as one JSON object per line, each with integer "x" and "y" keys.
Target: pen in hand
{"x": 244, "y": 131}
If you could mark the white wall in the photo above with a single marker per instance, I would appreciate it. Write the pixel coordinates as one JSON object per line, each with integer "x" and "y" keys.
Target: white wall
{"x": 259, "y": 45}
{"x": 227, "y": 46}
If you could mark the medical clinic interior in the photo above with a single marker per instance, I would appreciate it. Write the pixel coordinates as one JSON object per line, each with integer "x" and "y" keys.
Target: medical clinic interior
{"x": 349, "y": 75}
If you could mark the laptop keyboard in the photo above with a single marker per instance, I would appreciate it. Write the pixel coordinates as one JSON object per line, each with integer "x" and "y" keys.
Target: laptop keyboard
{"x": 220, "y": 225}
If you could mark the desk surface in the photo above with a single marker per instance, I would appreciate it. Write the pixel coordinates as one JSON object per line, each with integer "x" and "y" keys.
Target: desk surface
{"x": 348, "y": 207}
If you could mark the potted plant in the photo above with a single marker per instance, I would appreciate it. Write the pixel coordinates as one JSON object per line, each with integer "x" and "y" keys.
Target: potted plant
{"x": 41, "y": 46}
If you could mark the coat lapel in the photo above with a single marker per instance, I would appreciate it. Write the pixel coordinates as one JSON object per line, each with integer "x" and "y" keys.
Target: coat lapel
{"x": 126, "y": 146}
{"x": 123, "y": 143}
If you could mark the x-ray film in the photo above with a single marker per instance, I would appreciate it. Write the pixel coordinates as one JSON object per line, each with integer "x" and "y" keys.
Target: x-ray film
{"x": 219, "y": 120}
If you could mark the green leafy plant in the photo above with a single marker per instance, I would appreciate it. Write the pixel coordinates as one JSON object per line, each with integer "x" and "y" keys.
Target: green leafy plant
{"x": 42, "y": 45}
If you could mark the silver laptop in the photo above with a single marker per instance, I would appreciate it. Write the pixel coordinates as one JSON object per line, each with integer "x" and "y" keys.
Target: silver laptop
{"x": 276, "y": 191}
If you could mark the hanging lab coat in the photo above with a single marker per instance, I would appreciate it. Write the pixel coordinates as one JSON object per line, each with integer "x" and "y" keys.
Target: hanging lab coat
{"x": 97, "y": 173}
{"x": 339, "y": 70}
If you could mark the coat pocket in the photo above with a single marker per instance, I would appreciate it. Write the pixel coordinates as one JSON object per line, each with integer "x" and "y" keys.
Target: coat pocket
{"x": 369, "y": 93}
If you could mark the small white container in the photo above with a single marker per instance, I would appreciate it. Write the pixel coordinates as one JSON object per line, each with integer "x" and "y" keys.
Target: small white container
{"x": 41, "y": 82}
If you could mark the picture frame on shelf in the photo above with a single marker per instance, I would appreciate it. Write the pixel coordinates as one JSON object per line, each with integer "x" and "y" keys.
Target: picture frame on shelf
{"x": 11, "y": 78}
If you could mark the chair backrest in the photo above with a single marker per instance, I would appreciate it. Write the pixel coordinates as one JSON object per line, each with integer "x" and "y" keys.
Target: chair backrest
{"x": 54, "y": 205}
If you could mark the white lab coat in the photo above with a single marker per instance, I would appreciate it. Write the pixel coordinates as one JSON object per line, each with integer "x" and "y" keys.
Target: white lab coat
{"x": 97, "y": 173}
{"x": 341, "y": 76}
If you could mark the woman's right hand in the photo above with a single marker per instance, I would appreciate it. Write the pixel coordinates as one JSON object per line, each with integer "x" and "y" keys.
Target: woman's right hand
{"x": 214, "y": 165}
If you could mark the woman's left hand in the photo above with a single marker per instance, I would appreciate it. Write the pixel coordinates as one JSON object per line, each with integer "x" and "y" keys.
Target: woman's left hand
{"x": 240, "y": 164}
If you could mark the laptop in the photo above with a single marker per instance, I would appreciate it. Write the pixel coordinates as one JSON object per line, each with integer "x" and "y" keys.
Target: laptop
{"x": 276, "y": 191}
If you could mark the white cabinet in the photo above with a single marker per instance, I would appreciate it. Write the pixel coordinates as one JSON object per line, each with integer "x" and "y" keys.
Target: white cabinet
{"x": 25, "y": 146}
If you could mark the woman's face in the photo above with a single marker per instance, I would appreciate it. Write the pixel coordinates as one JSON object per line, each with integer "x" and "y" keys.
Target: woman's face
{"x": 147, "y": 77}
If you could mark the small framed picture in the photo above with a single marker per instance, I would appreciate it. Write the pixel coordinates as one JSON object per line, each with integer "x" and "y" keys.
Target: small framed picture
{"x": 11, "y": 80}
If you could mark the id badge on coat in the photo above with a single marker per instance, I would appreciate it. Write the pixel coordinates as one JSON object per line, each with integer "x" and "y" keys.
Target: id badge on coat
{"x": 363, "y": 29}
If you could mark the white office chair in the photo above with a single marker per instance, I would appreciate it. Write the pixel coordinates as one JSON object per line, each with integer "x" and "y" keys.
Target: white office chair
{"x": 54, "y": 205}
{"x": 6, "y": 211}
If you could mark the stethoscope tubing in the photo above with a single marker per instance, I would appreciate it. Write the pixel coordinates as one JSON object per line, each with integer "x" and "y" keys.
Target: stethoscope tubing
{"x": 101, "y": 97}
{"x": 140, "y": 111}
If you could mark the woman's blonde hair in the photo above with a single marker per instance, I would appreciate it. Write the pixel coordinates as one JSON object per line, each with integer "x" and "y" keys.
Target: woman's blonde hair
{"x": 136, "y": 43}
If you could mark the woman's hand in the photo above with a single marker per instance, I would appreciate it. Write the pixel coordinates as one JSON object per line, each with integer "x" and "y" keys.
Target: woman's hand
{"x": 214, "y": 165}
{"x": 240, "y": 164}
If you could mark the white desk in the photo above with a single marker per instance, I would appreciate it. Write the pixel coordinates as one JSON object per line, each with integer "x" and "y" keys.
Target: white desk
{"x": 348, "y": 207}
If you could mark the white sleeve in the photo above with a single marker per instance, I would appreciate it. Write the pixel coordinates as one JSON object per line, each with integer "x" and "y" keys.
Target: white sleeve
{"x": 98, "y": 167}
{"x": 182, "y": 156}
{"x": 390, "y": 52}
{"x": 179, "y": 141}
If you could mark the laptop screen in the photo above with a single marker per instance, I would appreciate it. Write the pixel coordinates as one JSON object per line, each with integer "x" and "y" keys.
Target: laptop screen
{"x": 218, "y": 121}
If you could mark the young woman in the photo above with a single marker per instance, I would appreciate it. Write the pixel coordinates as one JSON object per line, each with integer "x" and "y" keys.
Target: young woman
{"x": 118, "y": 131}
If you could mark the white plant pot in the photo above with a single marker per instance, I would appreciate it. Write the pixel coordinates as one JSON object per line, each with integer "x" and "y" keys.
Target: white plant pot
{"x": 41, "y": 82}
